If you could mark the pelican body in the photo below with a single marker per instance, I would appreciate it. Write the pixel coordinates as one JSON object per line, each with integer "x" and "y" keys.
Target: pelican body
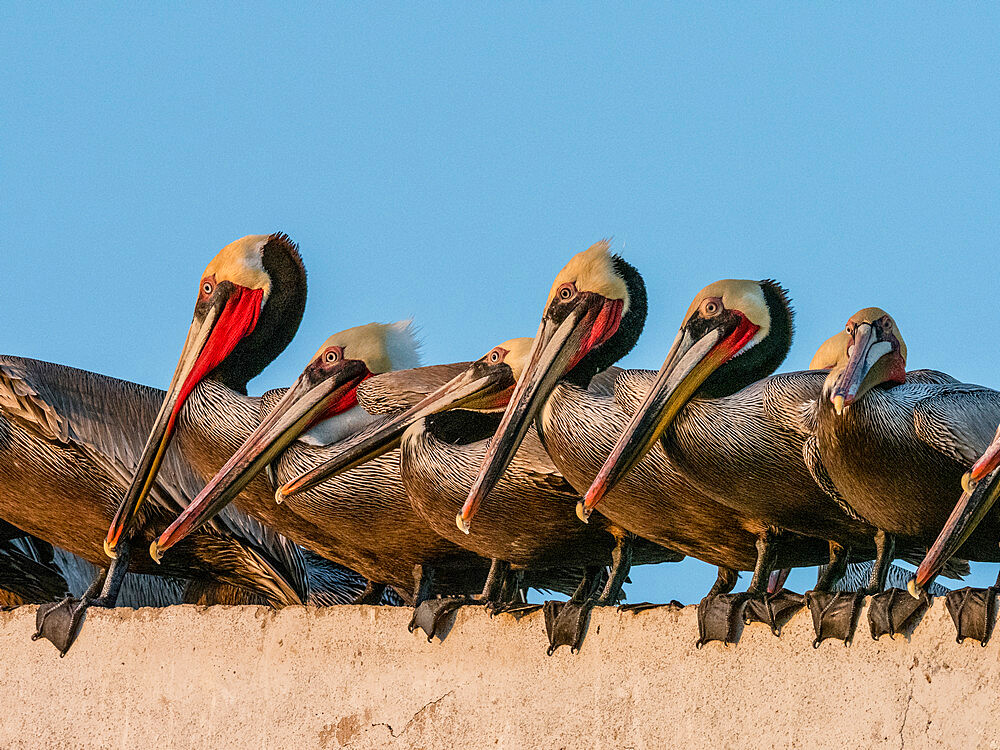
{"x": 249, "y": 304}
{"x": 899, "y": 450}
{"x": 727, "y": 426}
{"x": 742, "y": 439}
{"x": 895, "y": 458}
{"x": 655, "y": 501}
{"x": 69, "y": 438}
{"x": 746, "y": 450}
{"x": 532, "y": 524}
{"x": 363, "y": 519}
{"x": 594, "y": 314}
{"x": 443, "y": 439}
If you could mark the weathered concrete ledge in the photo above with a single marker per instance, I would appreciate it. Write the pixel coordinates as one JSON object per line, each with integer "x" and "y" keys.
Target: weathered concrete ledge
{"x": 249, "y": 677}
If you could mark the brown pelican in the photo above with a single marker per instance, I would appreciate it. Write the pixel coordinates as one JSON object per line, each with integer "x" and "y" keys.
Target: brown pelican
{"x": 739, "y": 435}
{"x": 70, "y": 441}
{"x": 363, "y": 519}
{"x": 532, "y": 525}
{"x": 593, "y": 316}
{"x": 898, "y": 450}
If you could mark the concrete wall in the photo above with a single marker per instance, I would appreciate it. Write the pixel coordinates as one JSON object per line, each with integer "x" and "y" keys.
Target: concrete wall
{"x": 354, "y": 677}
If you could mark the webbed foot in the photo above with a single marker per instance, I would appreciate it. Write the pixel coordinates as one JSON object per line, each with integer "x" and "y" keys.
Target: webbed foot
{"x": 59, "y": 622}
{"x": 566, "y": 623}
{"x": 895, "y": 611}
{"x": 835, "y": 614}
{"x": 720, "y": 618}
{"x": 974, "y": 613}
{"x": 774, "y": 610}
{"x": 432, "y": 615}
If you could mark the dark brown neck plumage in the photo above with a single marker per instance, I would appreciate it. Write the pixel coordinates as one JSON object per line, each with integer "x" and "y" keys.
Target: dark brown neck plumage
{"x": 279, "y": 319}
{"x": 762, "y": 359}
{"x": 601, "y": 357}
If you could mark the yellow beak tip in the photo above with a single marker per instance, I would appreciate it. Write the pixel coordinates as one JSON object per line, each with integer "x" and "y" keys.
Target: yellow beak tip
{"x": 911, "y": 586}
{"x": 464, "y": 526}
{"x": 154, "y": 552}
{"x": 838, "y": 405}
{"x": 967, "y": 483}
{"x": 109, "y": 550}
{"x": 279, "y": 496}
{"x": 582, "y": 513}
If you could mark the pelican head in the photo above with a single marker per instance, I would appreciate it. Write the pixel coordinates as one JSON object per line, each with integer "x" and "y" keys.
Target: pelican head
{"x": 593, "y": 316}
{"x": 830, "y": 351}
{"x": 875, "y": 355}
{"x": 327, "y": 387}
{"x": 250, "y": 301}
{"x": 485, "y": 386}
{"x": 734, "y": 333}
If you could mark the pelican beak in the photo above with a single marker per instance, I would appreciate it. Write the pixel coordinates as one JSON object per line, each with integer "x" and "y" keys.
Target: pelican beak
{"x": 867, "y": 366}
{"x": 691, "y": 359}
{"x": 777, "y": 579}
{"x": 565, "y": 336}
{"x": 986, "y": 463}
{"x": 312, "y": 397}
{"x": 481, "y": 386}
{"x": 219, "y": 325}
{"x": 971, "y": 508}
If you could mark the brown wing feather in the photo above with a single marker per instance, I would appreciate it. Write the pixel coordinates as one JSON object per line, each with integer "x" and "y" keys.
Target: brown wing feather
{"x": 393, "y": 391}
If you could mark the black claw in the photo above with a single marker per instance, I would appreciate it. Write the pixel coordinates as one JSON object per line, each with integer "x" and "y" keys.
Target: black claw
{"x": 974, "y": 613}
{"x": 834, "y": 614}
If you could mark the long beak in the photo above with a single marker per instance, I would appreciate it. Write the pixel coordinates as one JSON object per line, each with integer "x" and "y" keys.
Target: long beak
{"x": 689, "y": 363}
{"x": 557, "y": 348}
{"x": 482, "y": 386}
{"x": 301, "y": 406}
{"x": 971, "y": 508}
{"x": 865, "y": 352}
{"x": 180, "y": 387}
{"x": 988, "y": 461}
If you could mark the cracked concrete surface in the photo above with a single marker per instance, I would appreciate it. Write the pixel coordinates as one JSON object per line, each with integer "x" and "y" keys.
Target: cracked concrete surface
{"x": 353, "y": 677}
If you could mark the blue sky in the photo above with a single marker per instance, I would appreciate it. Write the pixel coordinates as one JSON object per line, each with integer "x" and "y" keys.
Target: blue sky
{"x": 443, "y": 162}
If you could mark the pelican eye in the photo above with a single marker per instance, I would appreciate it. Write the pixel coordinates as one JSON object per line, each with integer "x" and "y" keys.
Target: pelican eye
{"x": 494, "y": 357}
{"x": 332, "y": 355}
{"x": 567, "y": 291}
{"x": 207, "y": 288}
{"x": 711, "y": 307}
